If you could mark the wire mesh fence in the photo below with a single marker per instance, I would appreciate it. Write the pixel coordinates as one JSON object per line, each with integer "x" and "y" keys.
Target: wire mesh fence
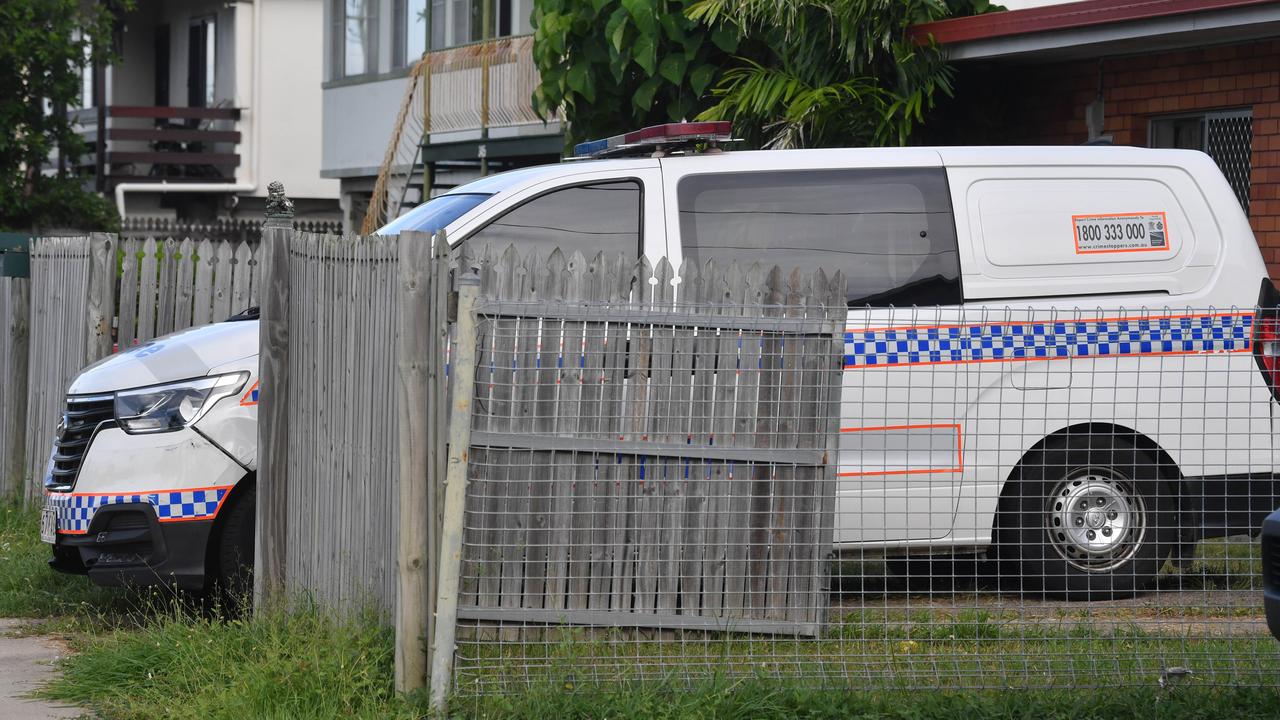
{"x": 688, "y": 485}
{"x": 724, "y": 471}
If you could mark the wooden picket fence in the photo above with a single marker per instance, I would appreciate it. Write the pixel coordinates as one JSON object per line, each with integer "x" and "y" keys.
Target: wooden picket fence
{"x": 168, "y": 285}
{"x": 67, "y": 309}
{"x": 342, "y": 451}
{"x": 15, "y": 319}
{"x": 646, "y": 461}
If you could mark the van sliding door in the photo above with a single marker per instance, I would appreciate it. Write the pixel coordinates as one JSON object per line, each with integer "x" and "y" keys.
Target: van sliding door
{"x": 892, "y": 234}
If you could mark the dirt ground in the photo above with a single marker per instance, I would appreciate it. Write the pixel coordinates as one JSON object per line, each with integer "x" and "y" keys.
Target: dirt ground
{"x": 1178, "y": 613}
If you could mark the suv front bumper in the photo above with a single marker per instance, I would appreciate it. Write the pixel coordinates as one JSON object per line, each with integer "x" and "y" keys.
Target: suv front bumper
{"x": 126, "y": 544}
{"x": 142, "y": 508}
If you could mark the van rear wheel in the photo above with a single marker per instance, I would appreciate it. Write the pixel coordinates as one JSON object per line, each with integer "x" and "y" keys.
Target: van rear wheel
{"x": 1085, "y": 517}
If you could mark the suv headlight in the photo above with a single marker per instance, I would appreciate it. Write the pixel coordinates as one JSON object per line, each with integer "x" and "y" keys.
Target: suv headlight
{"x": 162, "y": 408}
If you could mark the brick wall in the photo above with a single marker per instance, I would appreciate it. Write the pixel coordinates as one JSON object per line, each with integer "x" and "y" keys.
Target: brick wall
{"x": 1045, "y": 104}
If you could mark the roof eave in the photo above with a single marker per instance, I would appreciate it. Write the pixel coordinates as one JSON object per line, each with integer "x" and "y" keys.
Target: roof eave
{"x": 1074, "y": 35}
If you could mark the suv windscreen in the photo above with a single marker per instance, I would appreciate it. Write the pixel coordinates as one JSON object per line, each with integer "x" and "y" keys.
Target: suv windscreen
{"x": 435, "y": 213}
{"x": 602, "y": 217}
{"x": 890, "y": 230}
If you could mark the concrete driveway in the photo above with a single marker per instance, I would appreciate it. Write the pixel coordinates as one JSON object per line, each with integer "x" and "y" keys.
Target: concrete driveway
{"x": 25, "y": 663}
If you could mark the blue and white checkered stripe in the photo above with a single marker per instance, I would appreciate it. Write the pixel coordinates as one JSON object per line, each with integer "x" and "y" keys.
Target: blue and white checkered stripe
{"x": 1046, "y": 340}
{"x": 74, "y": 512}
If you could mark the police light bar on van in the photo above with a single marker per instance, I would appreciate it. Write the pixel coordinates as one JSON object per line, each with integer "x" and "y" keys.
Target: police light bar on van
{"x": 655, "y": 136}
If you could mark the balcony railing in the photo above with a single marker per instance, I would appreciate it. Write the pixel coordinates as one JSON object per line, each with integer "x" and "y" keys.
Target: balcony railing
{"x": 474, "y": 87}
{"x": 482, "y": 85}
{"x": 171, "y": 144}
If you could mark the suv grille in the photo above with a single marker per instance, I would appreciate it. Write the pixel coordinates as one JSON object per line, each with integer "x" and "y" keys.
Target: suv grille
{"x": 84, "y": 415}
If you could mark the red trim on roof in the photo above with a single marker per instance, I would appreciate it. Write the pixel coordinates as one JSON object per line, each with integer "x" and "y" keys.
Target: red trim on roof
{"x": 1063, "y": 17}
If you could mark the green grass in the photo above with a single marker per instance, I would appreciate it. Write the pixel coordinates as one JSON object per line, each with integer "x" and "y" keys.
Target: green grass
{"x": 145, "y": 655}
{"x": 767, "y": 701}
{"x": 1233, "y": 563}
{"x": 959, "y": 656}
{"x": 30, "y": 589}
{"x": 297, "y": 664}
{"x": 305, "y": 665}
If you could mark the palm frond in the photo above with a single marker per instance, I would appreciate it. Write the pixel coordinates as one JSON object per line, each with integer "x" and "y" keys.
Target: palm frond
{"x": 829, "y": 71}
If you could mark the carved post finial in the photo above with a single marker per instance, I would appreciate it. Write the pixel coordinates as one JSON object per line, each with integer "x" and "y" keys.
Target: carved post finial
{"x": 279, "y": 207}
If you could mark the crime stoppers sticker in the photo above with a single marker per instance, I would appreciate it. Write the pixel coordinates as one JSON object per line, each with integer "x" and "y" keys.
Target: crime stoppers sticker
{"x": 1121, "y": 232}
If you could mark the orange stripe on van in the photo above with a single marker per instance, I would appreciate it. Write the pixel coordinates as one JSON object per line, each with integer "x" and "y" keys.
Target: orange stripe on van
{"x": 917, "y": 471}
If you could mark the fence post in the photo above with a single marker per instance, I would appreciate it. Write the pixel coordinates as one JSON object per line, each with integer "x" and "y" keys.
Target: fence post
{"x": 438, "y": 409}
{"x": 273, "y": 407}
{"x": 13, "y": 465}
{"x": 102, "y": 296}
{"x": 413, "y": 359}
{"x": 461, "y": 380}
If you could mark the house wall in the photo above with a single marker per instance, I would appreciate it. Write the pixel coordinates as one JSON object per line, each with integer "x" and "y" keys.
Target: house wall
{"x": 1037, "y": 104}
{"x": 289, "y": 103}
{"x": 358, "y": 121}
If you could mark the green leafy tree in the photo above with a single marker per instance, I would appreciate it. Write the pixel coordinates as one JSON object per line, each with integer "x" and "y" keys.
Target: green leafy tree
{"x": 44, "y": 47}
{"x": 820, "y": 73}
{"x": 613, "y": 65}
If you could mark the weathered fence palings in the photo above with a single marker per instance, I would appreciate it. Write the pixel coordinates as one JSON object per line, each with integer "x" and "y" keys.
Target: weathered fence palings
{"x": 350, "y": 427}
{"x": 168, "y": 285}
{"x": 573, "y": 439}
{"x": 328, "y": 438}
{"x": 63, "y": 338}
{"x": 420, "y": 348}
{"x": 15, "y": 314}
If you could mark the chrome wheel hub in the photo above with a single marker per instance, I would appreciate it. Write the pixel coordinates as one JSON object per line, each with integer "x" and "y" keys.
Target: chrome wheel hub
{"x": 1095, "y": 520}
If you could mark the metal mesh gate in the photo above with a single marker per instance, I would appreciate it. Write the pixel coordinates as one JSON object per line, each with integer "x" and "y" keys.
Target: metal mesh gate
{"x": 1022, "y": 498}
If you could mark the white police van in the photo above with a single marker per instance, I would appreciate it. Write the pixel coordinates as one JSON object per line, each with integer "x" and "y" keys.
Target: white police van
{"x": 1019, "y": 379}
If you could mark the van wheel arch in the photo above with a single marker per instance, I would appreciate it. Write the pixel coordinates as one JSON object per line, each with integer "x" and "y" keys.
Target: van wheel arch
{"x": 1166, "y": 468}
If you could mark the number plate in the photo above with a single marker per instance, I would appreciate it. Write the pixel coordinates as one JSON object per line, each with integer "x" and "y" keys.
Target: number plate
{"x": 48, "y": 526}
{"x": 1121, "y": 232}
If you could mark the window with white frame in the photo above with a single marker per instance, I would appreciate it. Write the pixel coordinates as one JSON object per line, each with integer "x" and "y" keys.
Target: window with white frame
{"x": 1225, "y": 135}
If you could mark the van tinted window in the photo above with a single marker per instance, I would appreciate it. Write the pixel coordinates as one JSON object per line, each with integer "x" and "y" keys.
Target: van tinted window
{"x": 592, "y": 218}
{"x": 890, "y": 231}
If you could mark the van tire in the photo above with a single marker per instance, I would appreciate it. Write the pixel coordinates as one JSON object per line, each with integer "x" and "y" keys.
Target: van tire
{"x": 1085, "y": 517}
{"x": 233, "y": 552}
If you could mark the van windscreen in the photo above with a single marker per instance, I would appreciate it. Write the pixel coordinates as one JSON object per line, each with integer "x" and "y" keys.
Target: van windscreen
{"x": 435, "y": 213}
{"x": 890, "y": 230}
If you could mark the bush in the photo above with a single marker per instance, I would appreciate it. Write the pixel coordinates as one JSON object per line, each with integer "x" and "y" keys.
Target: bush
{"x": 60, "y": 203}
